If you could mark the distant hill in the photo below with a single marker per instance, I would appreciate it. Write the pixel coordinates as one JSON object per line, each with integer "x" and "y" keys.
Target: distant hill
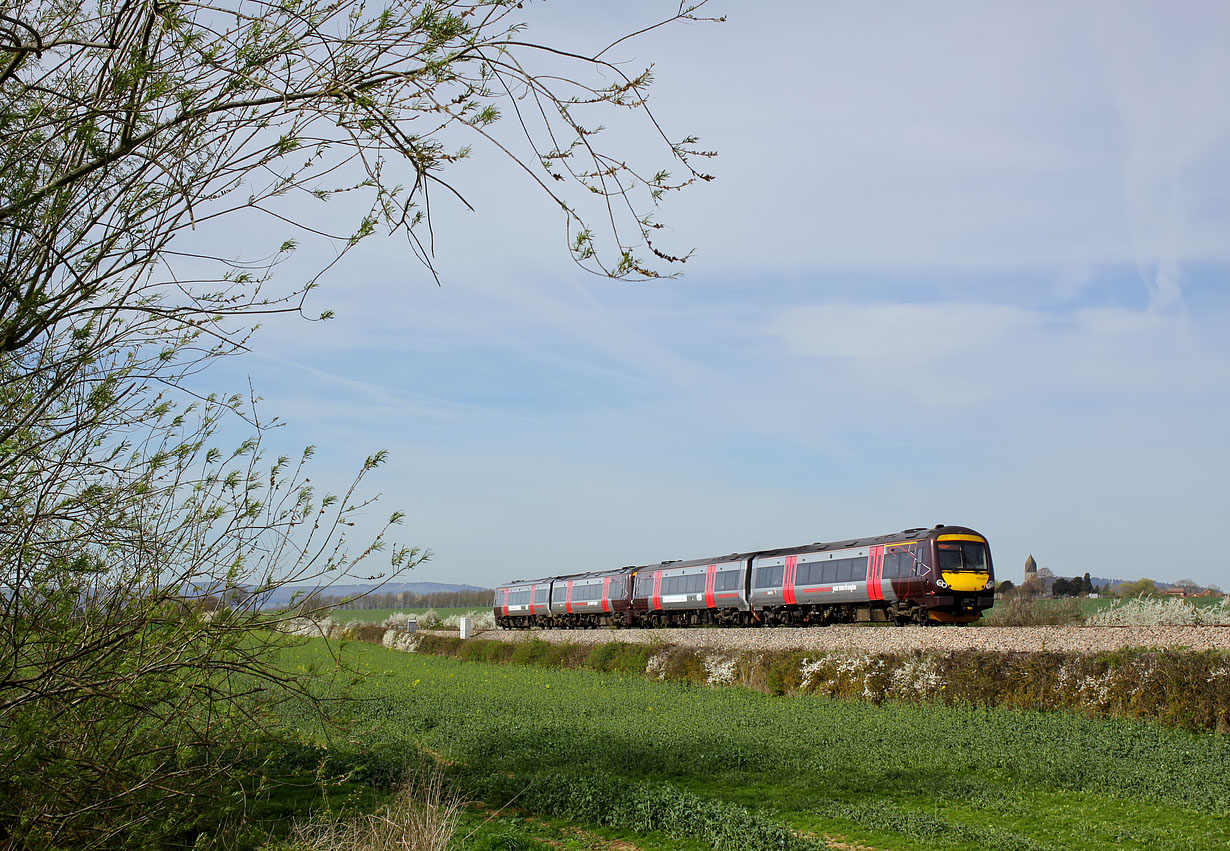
{"x": 282, "y": 596}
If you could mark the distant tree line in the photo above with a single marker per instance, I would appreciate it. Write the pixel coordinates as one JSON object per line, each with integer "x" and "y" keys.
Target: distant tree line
{"x": 1045, "y": 583}
{"x": 1073, "y": 587}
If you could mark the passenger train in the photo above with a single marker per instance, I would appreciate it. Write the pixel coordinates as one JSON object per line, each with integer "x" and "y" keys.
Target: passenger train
{"x": 916, "y": 576}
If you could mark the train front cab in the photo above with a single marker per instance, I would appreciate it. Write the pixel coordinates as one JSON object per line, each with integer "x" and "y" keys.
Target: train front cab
{"x": 961, "y": 579}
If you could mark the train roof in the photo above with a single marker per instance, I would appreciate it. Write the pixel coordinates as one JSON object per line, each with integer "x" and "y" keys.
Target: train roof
{"x": 916, "y": 534}
{"x": 593, "y": 574}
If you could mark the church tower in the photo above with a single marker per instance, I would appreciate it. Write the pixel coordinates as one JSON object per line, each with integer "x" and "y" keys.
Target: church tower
{"x": 1031, "y": 568}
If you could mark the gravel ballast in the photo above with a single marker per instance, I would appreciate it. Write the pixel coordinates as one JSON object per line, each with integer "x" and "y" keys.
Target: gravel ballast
{"x": 864, "y": 639}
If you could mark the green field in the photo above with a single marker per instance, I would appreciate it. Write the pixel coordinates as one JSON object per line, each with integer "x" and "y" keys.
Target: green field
{"x": 669, "y": 765}
{"x": 379, "y": 615}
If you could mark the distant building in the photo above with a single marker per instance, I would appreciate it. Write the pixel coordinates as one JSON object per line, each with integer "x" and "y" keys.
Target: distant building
{"x": 1031, "y": 568}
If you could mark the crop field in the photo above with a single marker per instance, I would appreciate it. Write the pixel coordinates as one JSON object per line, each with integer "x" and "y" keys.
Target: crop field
{"x": 585, "y": 758}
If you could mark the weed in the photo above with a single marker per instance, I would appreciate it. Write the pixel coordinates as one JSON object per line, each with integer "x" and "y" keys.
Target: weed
{"x": 422, "y": 816}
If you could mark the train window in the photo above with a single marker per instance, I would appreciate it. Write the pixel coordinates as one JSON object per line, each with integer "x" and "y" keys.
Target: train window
{"x": 909, "y": 562}
{"x": 905, "y": 563}
{"x": 811, "y": 573}
{"x": 644, "y": 586}
{"x": 540, "y": 594}
{"x": 892, "y": 565}
{"x": 828, "y": 572}
{"x": 769, "y": 577}
{"x": 851, "y": 569}
{"x": 696, "y": 583}
{"x": 618, "y": 588}
{"x": 962, "y": 556}
{"x": 975, "y": 556}
{"x": 727, "y": 580}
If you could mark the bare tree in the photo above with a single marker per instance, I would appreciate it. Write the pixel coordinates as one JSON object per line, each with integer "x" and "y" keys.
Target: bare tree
{"x": 129, "y": 131}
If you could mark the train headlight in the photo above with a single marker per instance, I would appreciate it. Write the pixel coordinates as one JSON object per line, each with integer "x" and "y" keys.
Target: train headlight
{"x": 941, "y": 583}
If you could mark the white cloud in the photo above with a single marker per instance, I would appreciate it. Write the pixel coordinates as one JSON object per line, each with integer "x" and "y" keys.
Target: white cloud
{"x": 896, "y": 336}
{"x": 1117, "y": 321}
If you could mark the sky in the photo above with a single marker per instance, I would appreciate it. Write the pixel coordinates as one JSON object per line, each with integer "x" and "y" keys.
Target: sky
{"x": 962, "y": 263}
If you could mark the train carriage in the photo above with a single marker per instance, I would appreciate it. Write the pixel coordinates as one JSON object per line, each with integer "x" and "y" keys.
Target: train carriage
{"x": 591, "y": 599}
{"x": 580, "y": 600}
{"x": 692, "y": 593}
{"x": 523, "y": 603}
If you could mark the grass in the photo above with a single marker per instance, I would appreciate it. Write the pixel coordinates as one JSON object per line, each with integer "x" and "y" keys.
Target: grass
{"x": 421, "y": 815}
{"x": 567, "y": 744}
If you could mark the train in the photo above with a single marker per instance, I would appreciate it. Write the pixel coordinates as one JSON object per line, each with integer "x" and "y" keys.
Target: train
{"x": 941, "y": 575}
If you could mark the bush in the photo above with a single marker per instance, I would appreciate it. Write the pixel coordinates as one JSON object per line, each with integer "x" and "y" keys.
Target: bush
{"x": 1146, "y": 611}
{"x": 479, "y": 619}
{"x": 372, "y": 633}
{"x": 484, "y": 651}
{"x": 617, "y": 657}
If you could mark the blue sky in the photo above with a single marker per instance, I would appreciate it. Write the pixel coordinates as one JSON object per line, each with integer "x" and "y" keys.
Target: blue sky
{"x": 962, "y": 263}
